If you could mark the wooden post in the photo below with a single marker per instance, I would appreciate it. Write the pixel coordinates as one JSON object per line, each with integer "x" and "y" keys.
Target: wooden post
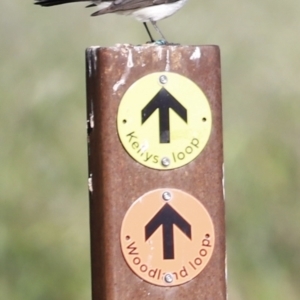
{"x": 156, "y": 214}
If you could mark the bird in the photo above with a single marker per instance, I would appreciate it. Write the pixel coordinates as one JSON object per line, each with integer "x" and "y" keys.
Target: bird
{"x": 142, "y": 10}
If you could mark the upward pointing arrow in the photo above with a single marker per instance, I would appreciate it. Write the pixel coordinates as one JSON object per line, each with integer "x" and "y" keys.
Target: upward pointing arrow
{"x": 167, "y": 217}
{"x": 163, "y": 101}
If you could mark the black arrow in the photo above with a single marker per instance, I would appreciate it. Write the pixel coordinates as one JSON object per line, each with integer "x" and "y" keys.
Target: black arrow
{"x": 163, "y": 101}
{"x": 167, "y": 217}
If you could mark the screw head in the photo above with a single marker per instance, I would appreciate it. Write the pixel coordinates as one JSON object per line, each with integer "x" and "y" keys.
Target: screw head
{"x": 166, "y": 196}
{"x": 163, "y": 79}
{"x": 168, "y": 278}
{"x": 165, "y": 161}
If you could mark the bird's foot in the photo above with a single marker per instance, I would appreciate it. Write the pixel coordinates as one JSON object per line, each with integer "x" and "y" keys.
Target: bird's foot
{"x": 158, "y": 42}
{"x": 163, "y": 43}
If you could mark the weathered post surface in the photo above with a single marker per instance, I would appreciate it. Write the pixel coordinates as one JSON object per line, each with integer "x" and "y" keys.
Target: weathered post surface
{"x": 156, "y": 172}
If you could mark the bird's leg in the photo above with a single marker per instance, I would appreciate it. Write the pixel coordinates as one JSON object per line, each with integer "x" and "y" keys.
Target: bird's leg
{"x": 148, "y": 31}
{"x": 158, "y": 30}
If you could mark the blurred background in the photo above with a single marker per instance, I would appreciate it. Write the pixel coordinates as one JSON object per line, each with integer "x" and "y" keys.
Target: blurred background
{"x": 44, "y": 218}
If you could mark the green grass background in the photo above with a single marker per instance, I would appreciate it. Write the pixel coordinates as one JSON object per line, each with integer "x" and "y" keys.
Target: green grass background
{"x": 44, "y": 223}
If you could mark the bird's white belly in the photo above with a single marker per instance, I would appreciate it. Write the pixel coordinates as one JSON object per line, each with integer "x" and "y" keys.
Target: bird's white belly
{"x": 156, "y": 12}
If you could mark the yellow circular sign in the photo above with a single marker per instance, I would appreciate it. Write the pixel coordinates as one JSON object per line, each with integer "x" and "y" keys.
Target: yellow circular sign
{"x": 164, "y": 120}
{"x": 167, "y": 237}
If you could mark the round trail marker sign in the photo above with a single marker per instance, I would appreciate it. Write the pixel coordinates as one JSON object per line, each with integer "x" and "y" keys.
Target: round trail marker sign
{"x": 164, "y": 120}
{"x": 167, "y": 237}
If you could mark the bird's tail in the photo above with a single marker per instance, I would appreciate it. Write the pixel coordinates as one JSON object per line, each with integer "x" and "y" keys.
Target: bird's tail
{"x": 55, "y": 2}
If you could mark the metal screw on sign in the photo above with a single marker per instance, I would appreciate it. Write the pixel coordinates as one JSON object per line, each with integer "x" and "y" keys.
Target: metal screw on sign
{"x": 168, "y": 278}
{"x": 166, "y": 196}
{"x": 165, "y": 161}
{"x": 163, "y": 79}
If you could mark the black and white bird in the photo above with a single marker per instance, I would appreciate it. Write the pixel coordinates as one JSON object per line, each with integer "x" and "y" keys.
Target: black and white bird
{"x": 142, "y": 10}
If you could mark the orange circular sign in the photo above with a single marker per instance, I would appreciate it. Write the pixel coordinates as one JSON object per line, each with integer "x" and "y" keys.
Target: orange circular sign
{"x": 167, "y": 237}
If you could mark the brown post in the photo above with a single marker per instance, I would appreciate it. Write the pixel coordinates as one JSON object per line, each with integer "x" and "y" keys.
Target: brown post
{"x": 134, "y": 247}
